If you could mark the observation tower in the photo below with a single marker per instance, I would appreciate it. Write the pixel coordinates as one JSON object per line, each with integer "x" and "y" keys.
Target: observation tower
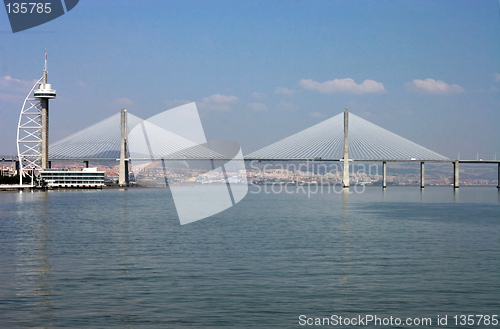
{"x": 44, "y": 93}
{"x": 33, "y": 127}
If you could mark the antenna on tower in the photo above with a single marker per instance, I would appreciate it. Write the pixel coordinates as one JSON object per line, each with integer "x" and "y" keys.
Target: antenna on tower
{"x": 44, "y": 81}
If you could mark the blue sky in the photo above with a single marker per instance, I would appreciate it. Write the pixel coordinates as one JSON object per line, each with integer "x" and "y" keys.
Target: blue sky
{"x": 260, "y": 71}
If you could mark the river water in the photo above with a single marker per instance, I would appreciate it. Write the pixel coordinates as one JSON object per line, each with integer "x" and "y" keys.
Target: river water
{"x": 117, "y": 258}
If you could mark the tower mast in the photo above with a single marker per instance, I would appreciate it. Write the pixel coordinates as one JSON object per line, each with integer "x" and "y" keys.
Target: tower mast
{"x": 44, "y": 93}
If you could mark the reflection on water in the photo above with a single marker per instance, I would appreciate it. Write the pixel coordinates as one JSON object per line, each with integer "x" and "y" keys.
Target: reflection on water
{"x": 345, "y": 229}
{"x": 456, "y": 195}
{"x": 345, "y": 202}
{"x": 43, "y": 282}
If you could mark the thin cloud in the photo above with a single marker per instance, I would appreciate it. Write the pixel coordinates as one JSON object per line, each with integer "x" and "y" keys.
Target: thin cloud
{"x": 431, "y": 86}
{"x": 9, "y": 82}
{"x": 347, "y": 85}
{"x": 220, "y": 99}
{"x": 257, "y": 106}
{"x": 497, "y": 77}
{"x": 11, "y": 98}
{"x": 218, "y": 102}
{"x": 175, "y": 103}
{"x": 258, "y": 95}
{"x": 317, "y": 115}
{"x": 286, "y": 105}
{"x": 14, "y": 90}
{"x": 284, "y": 91}
{"x": 124, "y": 101}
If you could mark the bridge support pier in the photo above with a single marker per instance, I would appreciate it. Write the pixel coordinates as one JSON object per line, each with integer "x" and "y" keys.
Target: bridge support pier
{"x": 422, "y": 174}
{"x": 384, "y": 174}
{"x": 345, "y": 177}
{"x": 498, "y": 184}
{"x": 456, "y": 182}
{"x": 123, "y": 176}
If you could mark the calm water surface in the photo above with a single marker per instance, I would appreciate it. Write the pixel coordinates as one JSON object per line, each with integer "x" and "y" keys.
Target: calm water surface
{"x": 120, "y": 259}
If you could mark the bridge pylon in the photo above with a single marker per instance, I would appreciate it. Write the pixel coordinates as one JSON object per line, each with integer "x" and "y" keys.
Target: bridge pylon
{"x": 123, "y": 176}
{"x": 345, "y": 177}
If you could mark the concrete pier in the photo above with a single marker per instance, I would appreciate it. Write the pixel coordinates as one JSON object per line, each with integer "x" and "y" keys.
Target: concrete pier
{"x": 456, "y": 181}
{"x": 123, "y": 177}
{"x": 422, "y": 174}
{"x": 345, "y": 178}
{"x": 384, "y": 174}
{"x": 45, "y": 133}
{"x": 498, "y": 183}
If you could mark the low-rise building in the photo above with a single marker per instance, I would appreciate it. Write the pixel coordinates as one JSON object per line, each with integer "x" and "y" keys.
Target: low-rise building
{"x": 86, "y": 178}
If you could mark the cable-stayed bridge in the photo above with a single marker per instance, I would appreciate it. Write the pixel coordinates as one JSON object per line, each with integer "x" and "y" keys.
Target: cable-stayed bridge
{"x": 325, "y": 141}
{"x": 329, "y": 140}
{"x": 146, "y": 140}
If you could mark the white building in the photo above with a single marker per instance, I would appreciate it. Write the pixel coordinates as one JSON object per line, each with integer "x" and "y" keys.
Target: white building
{"x": 86, "y": 178}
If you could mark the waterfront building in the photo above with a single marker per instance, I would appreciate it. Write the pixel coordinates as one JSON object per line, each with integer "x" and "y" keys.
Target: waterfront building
{"x": 87, "y": 178}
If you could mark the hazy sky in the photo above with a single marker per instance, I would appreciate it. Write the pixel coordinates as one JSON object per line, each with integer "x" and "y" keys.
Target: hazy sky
{"x": 260, "y": 71}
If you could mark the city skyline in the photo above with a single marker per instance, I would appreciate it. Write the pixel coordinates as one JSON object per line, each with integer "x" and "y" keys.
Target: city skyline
{"x": 262, "y": 71}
